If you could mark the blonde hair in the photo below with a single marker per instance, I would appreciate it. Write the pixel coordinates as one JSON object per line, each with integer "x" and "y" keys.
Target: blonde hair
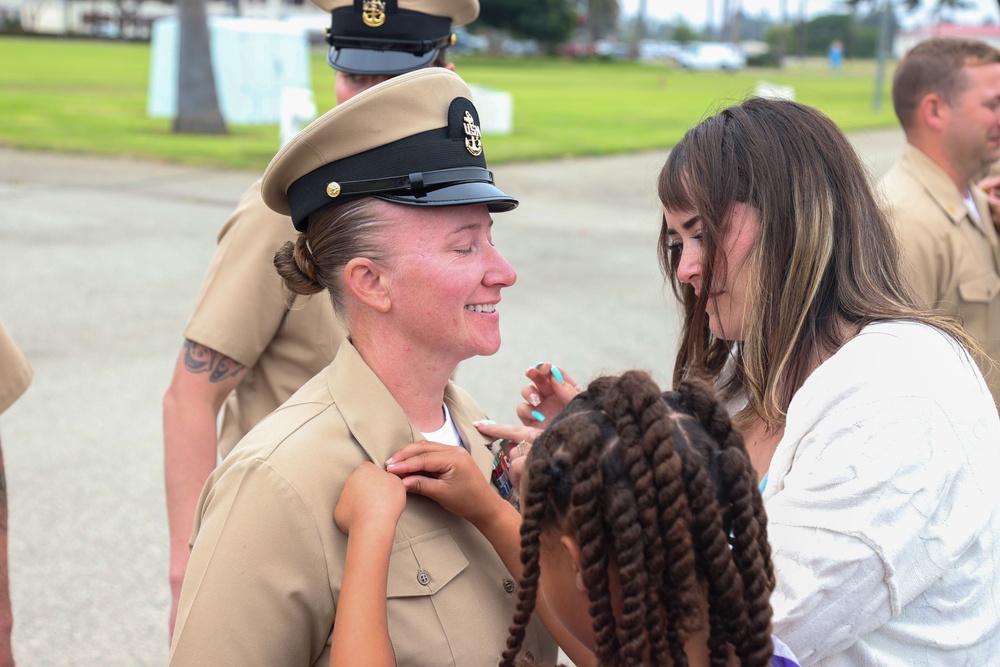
{"x": 335, "y": 235}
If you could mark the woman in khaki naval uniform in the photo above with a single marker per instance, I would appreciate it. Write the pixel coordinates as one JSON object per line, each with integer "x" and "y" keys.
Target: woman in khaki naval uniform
{"x": 246, "y": 350}
{"x": 391, "y": 193}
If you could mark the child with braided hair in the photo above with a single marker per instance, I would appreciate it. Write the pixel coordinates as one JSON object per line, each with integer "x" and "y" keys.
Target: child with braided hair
{"x": 643, "y": 510}
{"x": 643, "y": 528}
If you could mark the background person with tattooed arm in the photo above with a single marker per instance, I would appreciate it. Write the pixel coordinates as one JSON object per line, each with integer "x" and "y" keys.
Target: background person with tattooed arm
{"x": 244, "y": 346}
{"x": 15, "y": 376}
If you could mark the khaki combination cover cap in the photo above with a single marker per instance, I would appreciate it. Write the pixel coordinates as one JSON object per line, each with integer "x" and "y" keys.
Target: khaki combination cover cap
{"x": 390, "y": 37}
{"x": 412, "y": 140}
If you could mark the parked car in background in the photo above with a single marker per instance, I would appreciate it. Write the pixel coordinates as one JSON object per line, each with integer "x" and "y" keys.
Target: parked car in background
{"x": 519, "y": 48}
{"x": 652, "y": 49}
{"x": 712, "y": 56}
{"x": 467, "y": 43}
{"x": 606, "y": 48}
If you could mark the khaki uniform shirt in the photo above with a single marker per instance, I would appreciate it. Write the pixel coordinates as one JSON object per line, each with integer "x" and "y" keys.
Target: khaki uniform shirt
{"x": 953, "y": 261}
{"x": 15, "y": 373}
{"x": 242, "y": 312}
{"x": 267, "y": 562}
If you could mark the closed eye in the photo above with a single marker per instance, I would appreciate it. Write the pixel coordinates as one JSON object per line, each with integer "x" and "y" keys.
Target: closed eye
{"x": 678, "y": 245}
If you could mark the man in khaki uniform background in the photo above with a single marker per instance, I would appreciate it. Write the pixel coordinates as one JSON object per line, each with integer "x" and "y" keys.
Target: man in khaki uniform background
{"x": 15, "y": 376}
{"x": 946, "y": 94}
{"x": 244, "y": 345}
{"x": 266, "y": 569}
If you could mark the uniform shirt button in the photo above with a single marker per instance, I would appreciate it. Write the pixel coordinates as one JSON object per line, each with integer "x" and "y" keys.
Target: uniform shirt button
{"x": 508, "y": 586}
{"x": 423, "y": 578}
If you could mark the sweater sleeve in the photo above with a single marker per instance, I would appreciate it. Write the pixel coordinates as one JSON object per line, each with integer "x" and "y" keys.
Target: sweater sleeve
{"x": 871, "y": 498}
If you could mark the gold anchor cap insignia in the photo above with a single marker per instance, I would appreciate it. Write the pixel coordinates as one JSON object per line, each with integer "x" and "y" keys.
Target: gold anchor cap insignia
{"x": 473, "y": 137}
{"x": 333, "y": 189}
{"x": 373, "y": 13}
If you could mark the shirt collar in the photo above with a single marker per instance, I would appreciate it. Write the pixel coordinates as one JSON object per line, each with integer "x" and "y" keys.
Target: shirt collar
{"x": 379, "y": 424}
{"x": 941, "y": 188}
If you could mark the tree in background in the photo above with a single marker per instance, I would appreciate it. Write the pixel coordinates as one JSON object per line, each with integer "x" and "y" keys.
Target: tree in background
{"x": 197, "y": 102}
{"x": 683, "y": 33}
{"x": 936, "y": 6}
{"x": 858, "y": 35}
{"x": 550, "y": 22}
{"x": 602, "y": 18}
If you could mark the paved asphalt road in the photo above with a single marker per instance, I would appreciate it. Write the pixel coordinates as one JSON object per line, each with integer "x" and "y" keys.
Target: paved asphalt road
{"x": 100, "y": 261}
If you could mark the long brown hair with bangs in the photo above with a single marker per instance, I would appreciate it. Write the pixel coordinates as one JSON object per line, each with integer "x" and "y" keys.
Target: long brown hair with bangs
{"x": 826, "y": 264}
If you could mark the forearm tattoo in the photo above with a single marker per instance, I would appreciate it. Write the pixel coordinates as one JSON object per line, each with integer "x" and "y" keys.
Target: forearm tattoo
{"x": 201, "y": 359}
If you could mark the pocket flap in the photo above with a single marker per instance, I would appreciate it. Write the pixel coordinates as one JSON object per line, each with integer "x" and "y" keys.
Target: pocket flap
{"x": 980, "y": 290}
{"x": 424, "y": 565}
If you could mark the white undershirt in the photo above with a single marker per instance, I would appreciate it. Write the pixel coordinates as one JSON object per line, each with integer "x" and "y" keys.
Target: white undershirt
{"x": 970, "y": 204}
{"x": 447, "y": 434}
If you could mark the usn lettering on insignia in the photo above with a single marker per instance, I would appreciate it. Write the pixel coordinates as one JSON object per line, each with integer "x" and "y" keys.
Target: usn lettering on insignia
{"x": 473, "y": 137}
{"x": 373, "y": 13}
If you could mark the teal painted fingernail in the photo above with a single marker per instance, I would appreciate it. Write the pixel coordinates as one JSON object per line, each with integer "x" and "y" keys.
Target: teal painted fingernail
{"x": 539, "y": 365}
{"x": 537, "y": 416}
{"x": 484, "y": 422}
{"x": 556, "y": 374}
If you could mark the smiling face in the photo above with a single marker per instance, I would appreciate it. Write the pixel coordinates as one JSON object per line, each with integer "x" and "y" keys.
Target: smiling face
{"x": 445, "y": 278}
{"x": 972, "y": 135}
{"x": 727, "y": 300}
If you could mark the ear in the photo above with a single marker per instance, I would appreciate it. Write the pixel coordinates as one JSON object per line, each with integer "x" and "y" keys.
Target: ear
{"x": 934, "y": 112}
{"x": 366, "y": 280}
{"x": 450, "y": 67}
{"x": 573, "y": 551}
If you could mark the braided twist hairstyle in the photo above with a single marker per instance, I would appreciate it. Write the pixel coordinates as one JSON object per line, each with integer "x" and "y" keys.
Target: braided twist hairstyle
{"x": 660, "y": 485}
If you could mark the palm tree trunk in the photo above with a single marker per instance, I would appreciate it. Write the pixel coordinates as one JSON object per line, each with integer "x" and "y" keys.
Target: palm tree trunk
{"x": 197, "y": 103}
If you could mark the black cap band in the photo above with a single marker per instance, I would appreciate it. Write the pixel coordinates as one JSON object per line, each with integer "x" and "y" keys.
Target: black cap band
{"x": 405, "y": 45}
{"x": 310, "y": 193}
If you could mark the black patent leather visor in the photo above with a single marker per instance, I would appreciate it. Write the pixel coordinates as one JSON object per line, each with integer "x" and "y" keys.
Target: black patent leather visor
{"x": 460, "y": 194}
{"x": 367, "y": 62}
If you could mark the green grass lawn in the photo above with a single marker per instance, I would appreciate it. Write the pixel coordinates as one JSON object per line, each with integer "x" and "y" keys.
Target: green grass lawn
{"x": 88, "y": 96}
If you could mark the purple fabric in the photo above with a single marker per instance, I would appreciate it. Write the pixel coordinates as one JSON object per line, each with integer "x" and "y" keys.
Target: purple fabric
{"x": 783, "y": 656}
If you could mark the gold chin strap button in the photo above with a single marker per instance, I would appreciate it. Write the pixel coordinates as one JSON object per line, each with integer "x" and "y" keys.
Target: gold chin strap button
{"x": 452, "y": 39}
{"x": 333, "y": 189}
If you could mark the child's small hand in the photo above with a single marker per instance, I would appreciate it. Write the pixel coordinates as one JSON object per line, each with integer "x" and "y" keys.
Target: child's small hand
{"x": 370, "y": 497}
{"x": 445, "y": 474}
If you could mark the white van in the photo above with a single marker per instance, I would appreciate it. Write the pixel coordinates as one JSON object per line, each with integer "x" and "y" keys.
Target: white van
{"x": 712, "y": 56}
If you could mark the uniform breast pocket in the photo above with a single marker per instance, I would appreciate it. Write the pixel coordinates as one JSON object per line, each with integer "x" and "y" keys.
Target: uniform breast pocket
{"x": 981, "y": 305}
{"x": 981, "y": 289}
{"x": 425, "y": 600}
